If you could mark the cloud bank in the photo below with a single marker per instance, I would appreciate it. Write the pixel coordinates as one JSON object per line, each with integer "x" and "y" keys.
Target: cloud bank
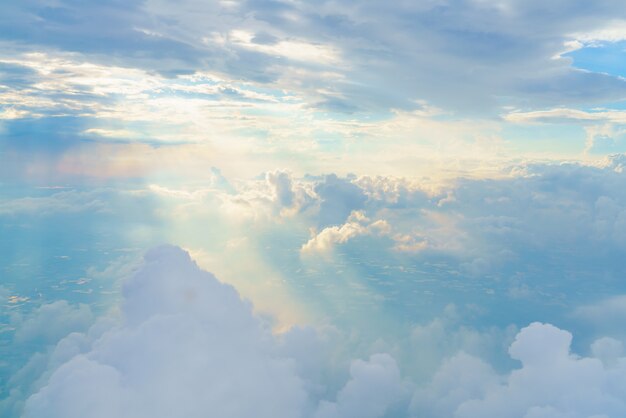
{"x": 185, "y": 344}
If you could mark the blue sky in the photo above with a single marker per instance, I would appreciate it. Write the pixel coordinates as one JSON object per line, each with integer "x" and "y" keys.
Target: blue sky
{"x": 407, "y": 209}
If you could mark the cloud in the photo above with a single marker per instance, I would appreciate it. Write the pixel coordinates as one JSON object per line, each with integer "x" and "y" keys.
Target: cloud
{"x": 357, "y": 225}
{"x": 540, "y": 239}
{"x": 338, "y": 198}
{"x": 551, "y": 382}
{"x": 613, "y": 31}
{"x": 375, "y": 385}
{"x": 186, "y": 344}
{"x": 565, "y": 115}
{"x": 289, "y": 197}
{"x": 449, "y": 335}
{"x": 605, "y": 315}
{"x": 608, "y": 350}
{"x": 459, "y": 378}
{"x": 480, "y": 53}
{"x": 227, "y": 82}
{"x": 52, "y": 321}
{"x": 605, "y": 129}
{"x": 281, "y": 182}
{"x": 536, "y": 220}
{"x": 606, "y": 139}
{"x": 65, "y": 201}
{"x": 290, "y": 49}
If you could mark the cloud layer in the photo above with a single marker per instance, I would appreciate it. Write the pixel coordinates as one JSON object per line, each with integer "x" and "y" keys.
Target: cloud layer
{"x": 322, "y": 86}
{"x": 479, "y": 53}
{"x": 185, "y": 343}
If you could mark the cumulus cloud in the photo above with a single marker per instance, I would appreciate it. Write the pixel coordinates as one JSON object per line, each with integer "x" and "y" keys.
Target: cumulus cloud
{"x": 187, "y": 344}
{"x": 392, "y": 192}
{"x": 608, "y": 350}
{"x": 281, "y": 183}
{"x": 338, "y": 198}
{"x": 289, "y": 196}
{"x": 52, "y": 321}
{"x": 375, "y": 385}
{"x": 551, "y": 382}
{"x": 459, "y": 378}
{"x": 447, "y": 336}
{"x": 357, "y": 225}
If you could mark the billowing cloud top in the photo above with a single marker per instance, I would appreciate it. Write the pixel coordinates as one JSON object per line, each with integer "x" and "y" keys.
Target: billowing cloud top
{"x": 186, "y": 344}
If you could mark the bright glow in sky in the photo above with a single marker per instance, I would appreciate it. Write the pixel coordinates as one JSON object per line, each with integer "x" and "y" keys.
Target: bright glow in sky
{"x": 408, "y": 209}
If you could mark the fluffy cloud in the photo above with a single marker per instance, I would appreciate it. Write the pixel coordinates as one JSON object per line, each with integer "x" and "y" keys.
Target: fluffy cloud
{"x": 289, "y": 197}
{"x": 374, "y": 386}
{"x": 281, "y": 183}
{"x": 184, "y": 343}
{"x": 447, "y": 336}
{"x": 459, "y": 378}
{"x": 357, "y": 225}
{"x": 552, "y": 382}
{"x": 51, "y": 322}
{"x": 187, "y": 344}
{"x": 338, "y": 198}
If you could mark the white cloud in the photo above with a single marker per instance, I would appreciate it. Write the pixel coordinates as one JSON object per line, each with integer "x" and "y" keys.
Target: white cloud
{"x": 290, "y": 197}
{"x": 52, "y": 321}
{"x": 565, "y": 114}
{"x": 459, "y": 378}
{"x": 375, "y": 385}
{"x": 613, "y": 31}
{"x": 608, "y": 313}
{"x": 298, "y": 50}
{"x": 12, "y": 113}
{"x": 551, "y": 382}
{"x": 608, "y": 350}
{"x": 446, "y": 336}
{"x": 187, "y": 344}
{"x": 357, "y": 225}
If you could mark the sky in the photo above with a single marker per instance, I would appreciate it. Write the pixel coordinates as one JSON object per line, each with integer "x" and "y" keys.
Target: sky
{"x": 409, "y": 209}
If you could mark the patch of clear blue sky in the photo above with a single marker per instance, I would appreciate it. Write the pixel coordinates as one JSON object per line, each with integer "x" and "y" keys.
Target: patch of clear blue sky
{"x": 609, "y": 58}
